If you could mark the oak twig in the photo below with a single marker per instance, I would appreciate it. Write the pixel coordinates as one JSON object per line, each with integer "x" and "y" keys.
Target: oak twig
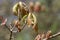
{"x": 10, "y": 32}
{"x": 57, "y": 34}
{"x": 10, "y": 35}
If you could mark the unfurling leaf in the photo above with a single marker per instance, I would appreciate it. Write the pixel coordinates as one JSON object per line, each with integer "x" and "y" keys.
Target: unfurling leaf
{"x": 43, "y": 36}
{"x": 15, "y": 8}
{"x": 38, "y": 37}
{"x": 4, "y": 21}
{"x": 19, "y": 29}
{"x": 48, "y": 34}
{"x": 21, "y": 7}
{"x": 37, "y": 7}
{"x": 31, "y": 6}
{"x": 36, "y": 28}
{"x": 29, "y": 22}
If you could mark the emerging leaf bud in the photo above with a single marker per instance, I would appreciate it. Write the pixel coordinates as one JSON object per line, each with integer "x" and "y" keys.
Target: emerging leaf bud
{"x": 37, "y": 7}
{"x": 31, "y": 6}
{"x": 43, "y": 8}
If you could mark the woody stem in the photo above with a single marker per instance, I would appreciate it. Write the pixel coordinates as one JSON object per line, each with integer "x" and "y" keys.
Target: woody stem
{"x": 10, "y": 35}
{"x": 57, "y": 34}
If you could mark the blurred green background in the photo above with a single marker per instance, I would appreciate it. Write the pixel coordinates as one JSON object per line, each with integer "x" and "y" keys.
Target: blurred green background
{"x": 48, "y": 20}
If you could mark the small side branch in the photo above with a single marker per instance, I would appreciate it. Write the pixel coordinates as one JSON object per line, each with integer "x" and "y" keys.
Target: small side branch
{"x": 24, "y": 26}
{"x": 57, "y": 34}
{"x": 7, "y": 27}
{"x": 10, "y": 35}
{"x": 46, "y": 37}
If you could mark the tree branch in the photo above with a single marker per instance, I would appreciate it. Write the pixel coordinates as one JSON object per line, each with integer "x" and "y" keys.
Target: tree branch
{"x": 7, "y": 27}
{"x": 24, "y": 26}
{"x": 57, "y": 34}
{"x": 10, "y": 32}
{"x": 10, "y": 35}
